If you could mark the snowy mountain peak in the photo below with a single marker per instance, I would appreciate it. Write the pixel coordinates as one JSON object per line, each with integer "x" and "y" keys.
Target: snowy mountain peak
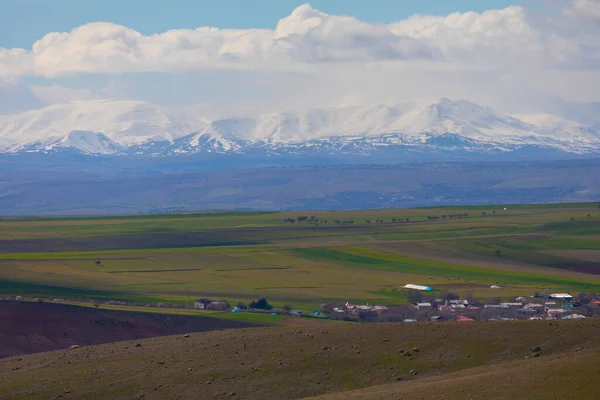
{"x": 140, "y": 128}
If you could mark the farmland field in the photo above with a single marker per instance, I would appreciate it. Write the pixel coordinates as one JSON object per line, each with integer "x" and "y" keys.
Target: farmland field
{"x": 344, "y": 256}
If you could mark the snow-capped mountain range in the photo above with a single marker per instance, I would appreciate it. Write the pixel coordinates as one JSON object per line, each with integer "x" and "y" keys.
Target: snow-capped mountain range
{"x": 135, "y": 128}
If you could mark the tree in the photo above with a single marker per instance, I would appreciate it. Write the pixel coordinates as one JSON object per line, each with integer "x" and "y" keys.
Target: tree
{"x": 394, "y": 220}
{"x": 497, "y": 253}
{"x": 98, "y": 262}
{"x": 494, "y": 212}
{"x": 327, "y": 308}
{"x": 241, "y": 305}
{"x": 367, "y": 316}
{"x": 287, "y": 308}
{"x": 444, "y": 216}
{"x": 450, "y": 296}
{"x": 483, "y": 213}
{"x": 414, "y": 296}
{"x": 261, "y": 304}
{"x": 368, "y": 221}
{"x": 469, "y": 297}
{"x": 407, "y": 219}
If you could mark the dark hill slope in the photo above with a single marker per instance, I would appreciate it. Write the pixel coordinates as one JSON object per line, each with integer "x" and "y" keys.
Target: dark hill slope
{"x": 27, "y": 327}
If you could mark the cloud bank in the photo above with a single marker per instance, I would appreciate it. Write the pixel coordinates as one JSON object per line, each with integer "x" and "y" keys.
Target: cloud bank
{"x": 510, "y": 38}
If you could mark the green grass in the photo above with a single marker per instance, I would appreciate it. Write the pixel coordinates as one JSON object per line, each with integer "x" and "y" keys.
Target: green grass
{"x": 372, "y": 259}
{"x": 304, "y": 266}
{"x": 15, "y": 288}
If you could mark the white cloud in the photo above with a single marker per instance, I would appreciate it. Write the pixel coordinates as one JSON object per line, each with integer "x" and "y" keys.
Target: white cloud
{"x": 53, "y": 94}
{"x": 589, "y": 8}
{"x": 509, "y": 38}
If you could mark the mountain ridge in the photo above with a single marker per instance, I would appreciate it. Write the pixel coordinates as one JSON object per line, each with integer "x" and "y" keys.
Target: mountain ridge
{"x": 135, "y": 128}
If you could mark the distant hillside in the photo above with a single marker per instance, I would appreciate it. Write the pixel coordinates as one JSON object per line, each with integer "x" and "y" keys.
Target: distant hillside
{"x": 73, "y": 186}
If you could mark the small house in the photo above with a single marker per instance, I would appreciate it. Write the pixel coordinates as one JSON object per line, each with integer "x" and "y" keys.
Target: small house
{"x": 208, "y": 304}
{"x": 379, "y": 309}
{"x": 533, "y": 306}
{"x": 509, "y": 305}
{"x": 296, "y": 313}
{"x": 410, "y": 320}
{"x": 202, "y": 304}
{"x": 561, "y": 296}
{"x": 574, "y": 316}
{"x": 462, "y": 318}
{"x": 423, "y": 305}
{"x": 436, "y": 318}
{"x": 555, "y": 313}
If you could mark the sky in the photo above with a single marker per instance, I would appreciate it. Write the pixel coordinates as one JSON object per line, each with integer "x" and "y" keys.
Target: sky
{"x": 241, "y": 57}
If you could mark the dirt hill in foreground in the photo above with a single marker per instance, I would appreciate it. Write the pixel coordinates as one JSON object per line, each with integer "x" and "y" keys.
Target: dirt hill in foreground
{"x": 27, "y": 327}
{"x": 441, "y": 361}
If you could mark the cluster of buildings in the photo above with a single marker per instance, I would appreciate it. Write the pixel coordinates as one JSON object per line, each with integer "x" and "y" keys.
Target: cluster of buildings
{"x": 355, "y": 309}
{"x": 551, "y": 306}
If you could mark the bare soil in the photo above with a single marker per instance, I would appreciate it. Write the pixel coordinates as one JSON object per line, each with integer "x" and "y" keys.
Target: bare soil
{"x": 27, "y": 327}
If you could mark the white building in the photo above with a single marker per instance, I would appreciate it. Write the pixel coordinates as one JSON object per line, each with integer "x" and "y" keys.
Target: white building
{"x": 418, "y": 287}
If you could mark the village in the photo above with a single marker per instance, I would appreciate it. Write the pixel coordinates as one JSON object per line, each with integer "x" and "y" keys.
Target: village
{"x": 450, "y": 307}
{"x": 425, "y": 306}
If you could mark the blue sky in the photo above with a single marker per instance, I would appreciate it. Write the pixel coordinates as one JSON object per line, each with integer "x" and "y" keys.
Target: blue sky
{"x": 22, "y": 22}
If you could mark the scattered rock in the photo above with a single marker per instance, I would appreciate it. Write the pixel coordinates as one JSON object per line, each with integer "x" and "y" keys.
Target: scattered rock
{"x": 186, "y": 335}
{"x": 138, "y": 345}
{"x": 416, "y": 350}
{"x": 398, "y": 378}
{"x": 386, "y": 340}
{"x": 535, "y": 349}
{"x": 324, "y": 348}
{"x": 536, "y": 355}
{"x": 527, "y": 357}
{"x": 232, "y": 394}
{"x": 75, "y": 346}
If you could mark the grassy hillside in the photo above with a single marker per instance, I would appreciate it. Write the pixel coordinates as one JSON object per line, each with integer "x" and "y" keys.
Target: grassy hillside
{"x": 291, "y": 362}
{"x": 563, "y": 376}
{"x": 242, "y": 256}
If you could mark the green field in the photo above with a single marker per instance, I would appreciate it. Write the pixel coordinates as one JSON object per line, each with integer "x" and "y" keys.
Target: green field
{"x": 242, "y": 256}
